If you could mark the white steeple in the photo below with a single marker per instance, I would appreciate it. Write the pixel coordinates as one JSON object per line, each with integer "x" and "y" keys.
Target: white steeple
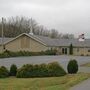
{"x": 31, "y": 30}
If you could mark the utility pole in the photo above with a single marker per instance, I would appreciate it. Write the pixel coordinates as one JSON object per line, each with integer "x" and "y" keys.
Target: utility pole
{"x": 2, "y": 35}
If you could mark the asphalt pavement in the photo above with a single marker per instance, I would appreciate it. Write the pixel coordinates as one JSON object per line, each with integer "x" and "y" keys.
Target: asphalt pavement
{"x": 82, "y": 86}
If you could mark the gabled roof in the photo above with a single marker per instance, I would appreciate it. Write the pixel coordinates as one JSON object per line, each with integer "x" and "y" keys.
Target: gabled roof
{"x": 7, "y": 40}
{"x": 47, "y": 41}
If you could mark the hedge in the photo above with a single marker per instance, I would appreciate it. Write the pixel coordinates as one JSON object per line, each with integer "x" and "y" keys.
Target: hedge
{"x": 42, "y": 70}
{"x": 7, "y": 53}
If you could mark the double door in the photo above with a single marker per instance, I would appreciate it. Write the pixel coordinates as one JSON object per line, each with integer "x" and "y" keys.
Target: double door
{"x": 64, "y": 50}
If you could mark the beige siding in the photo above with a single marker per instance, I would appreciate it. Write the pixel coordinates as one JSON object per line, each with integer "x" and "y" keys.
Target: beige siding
{"x": 25, "y": 43}
{"x": 81, "y": 51}
{"x": 77, "y": 51}
{"x": 0, "y": 48}
{"x": 35, "y": 46}
{"x": 14, "y": 45}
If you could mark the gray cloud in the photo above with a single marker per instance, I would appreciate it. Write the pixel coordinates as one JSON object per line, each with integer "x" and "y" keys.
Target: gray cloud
{"x": 68, "y": 16}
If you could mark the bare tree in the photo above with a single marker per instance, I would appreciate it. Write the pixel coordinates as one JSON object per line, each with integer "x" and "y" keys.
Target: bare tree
{"x": 54, "y": 33}
{"x": 16, "y": 25}
{"x": 68, "y": 36}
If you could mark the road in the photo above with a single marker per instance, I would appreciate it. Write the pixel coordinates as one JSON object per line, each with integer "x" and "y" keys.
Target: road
{"x": 62, "y": 59}
{"x": 82, "y": 86}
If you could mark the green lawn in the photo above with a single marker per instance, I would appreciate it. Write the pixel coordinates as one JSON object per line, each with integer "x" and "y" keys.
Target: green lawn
{"x": 51, "y": 83}
{"x": 86, "y": 65}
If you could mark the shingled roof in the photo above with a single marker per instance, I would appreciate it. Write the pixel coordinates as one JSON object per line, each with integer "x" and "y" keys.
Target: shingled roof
{"x": 54, "y": 42}
{"x": 65, "y": 42}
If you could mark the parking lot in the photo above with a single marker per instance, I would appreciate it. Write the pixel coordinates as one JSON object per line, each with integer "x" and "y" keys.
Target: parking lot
{"x": 62, "y": 59}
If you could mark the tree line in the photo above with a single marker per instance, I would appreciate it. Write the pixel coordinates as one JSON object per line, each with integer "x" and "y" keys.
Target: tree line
{"x": 14, "y": 26}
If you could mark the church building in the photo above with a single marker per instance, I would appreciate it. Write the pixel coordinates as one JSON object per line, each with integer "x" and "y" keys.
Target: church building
{"x": 36, "y": 43}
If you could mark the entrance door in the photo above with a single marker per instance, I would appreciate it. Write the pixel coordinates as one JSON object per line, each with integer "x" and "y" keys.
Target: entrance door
{"x": 65, "y": 51}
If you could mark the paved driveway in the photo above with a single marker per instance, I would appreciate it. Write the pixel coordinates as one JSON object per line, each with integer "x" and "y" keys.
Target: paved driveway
{"x": 63, "y": 60}
{"x": 82, "y": 86}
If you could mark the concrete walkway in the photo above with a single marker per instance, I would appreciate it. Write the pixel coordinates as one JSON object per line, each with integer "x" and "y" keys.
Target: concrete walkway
{"x": 82, "y": 86}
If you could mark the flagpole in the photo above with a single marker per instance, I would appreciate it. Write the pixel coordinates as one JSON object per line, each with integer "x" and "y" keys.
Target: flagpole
{"x": 2, "y": 35}
{"x": 82, "y": 39}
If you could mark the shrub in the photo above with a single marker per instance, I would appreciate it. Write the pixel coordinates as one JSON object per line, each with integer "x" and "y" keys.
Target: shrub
{"x": 3, "y": 72}
{"x": 24, "y": 71}
{"x": 54, "y": 69}
{"x": 42, "y": 70}
{"x": 3, "y": 55}
{"x": 82, "y": 54}
{"x": 50, "y": 52}
{"x": 72, "y": 67}
{"x": 13, "y": 70}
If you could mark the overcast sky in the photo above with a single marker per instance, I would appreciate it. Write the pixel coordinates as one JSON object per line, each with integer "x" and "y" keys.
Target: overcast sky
{"x": 67, "y": 16}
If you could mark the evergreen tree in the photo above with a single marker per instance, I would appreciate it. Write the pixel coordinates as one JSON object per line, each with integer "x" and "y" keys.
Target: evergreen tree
{"x": 71, "y": 49}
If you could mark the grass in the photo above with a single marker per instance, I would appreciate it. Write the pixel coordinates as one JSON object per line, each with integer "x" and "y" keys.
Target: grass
{"x": 86, "y": 65}
{"x": 50, "y": 83}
